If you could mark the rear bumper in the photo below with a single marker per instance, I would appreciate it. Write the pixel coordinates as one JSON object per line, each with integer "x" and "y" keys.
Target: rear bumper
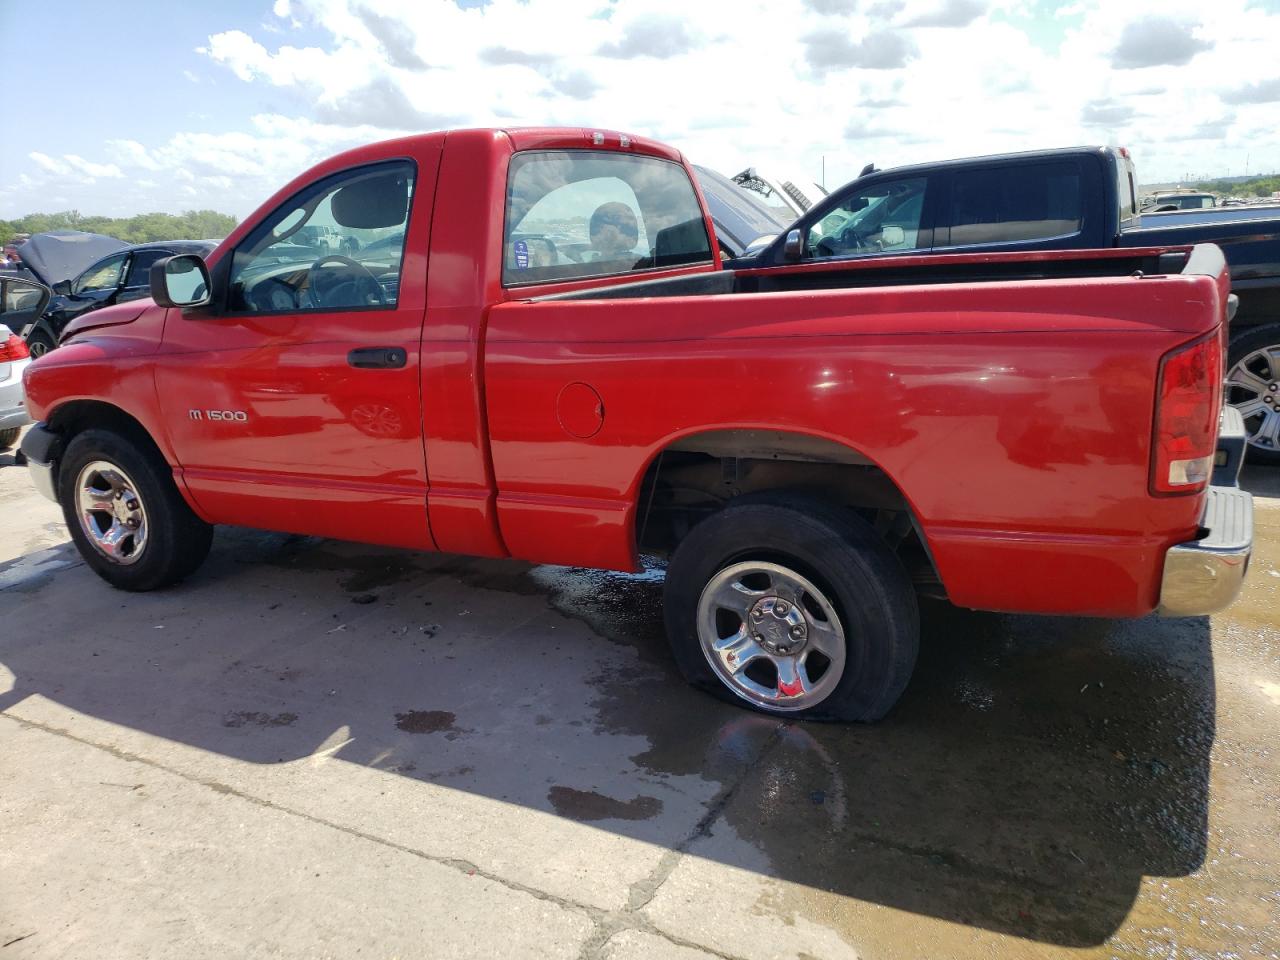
{"x": 41, "y": 447}
{"x": 1203, "y": 576}
{"x": 13, "y": 410}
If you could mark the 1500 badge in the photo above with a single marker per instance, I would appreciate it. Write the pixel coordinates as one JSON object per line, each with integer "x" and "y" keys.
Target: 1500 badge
{"x": 236, "y": 416}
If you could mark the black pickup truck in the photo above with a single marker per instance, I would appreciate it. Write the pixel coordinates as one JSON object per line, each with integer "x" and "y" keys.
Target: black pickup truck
{"x": 1076, "y": 198}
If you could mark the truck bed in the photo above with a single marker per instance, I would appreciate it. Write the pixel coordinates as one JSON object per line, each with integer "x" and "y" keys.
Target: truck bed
{"x": 915, "y": 270}
{"x": 1013, "y": 414}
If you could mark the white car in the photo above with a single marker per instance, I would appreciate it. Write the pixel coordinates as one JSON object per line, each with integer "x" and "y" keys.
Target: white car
{"x": 21, "y": 300}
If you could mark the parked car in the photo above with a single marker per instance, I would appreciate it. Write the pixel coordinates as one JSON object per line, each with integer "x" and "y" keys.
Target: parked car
{"x": 811, "y": 445}
{"x": 788, "y": 199}
{"x": 1182, "y": 200}
{"x": 19, "y": 300}
{"x": 117, "y": 278}
{"x": 743, "y": 221}
{"x": 1075, "y": 198}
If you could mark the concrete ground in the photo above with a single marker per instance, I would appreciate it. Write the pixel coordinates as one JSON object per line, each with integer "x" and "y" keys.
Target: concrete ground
{"x": 317, "y": 749}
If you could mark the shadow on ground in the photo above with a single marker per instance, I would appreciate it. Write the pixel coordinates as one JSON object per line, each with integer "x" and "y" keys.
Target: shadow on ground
{"x": 1035, "y": 771}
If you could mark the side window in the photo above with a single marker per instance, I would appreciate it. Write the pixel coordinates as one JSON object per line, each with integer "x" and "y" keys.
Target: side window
{"x": 140, "y": 267}
{"x": 882, "y": 217}
{"x": 101, "y": 276}
{"x": 21, "y": 296}
{"x": 583, "y": 213}
{"x": 1008, "y": 204}
{"x": 337, "y": 245}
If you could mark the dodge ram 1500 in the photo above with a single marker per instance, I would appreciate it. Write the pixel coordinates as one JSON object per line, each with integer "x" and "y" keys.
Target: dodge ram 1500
{"x": 533, "y": 350}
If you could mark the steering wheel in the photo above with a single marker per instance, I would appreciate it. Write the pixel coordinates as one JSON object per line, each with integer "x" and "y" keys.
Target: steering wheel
{"x": 326, "y": 294}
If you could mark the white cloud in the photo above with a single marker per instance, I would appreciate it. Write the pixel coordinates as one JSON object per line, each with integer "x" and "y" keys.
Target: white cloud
{"x": 69, "y": 164}
{"x": 48, "y": 163}
{"x": 772, "y": 83}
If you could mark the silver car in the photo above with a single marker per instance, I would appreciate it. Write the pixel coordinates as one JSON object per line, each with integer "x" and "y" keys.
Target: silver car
{"x": 21, "y": 301}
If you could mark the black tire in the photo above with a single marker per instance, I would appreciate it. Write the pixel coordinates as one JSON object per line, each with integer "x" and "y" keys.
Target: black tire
{"x": 9, "y": 437}
{"x": 39, "y": 343}
{"x": 177, "y": 540}
{"x": 1247, "y": 341}
{"x": 841, "y": 555}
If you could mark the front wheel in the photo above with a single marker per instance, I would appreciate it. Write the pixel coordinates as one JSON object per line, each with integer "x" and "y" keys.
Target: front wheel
{"x": 9, "y": 437}
{"x": 793, "y": 607}
{"x": 1253, "y": 388}
{"x": 125, "y": 514}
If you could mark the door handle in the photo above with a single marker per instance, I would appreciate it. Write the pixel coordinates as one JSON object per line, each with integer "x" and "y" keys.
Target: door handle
{"x": 369, "y": 358}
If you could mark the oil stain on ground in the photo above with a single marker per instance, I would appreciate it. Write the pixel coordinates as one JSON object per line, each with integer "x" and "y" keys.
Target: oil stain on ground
{"x": 587, "y": 805}
{"x": 426, "y": 721}
{"x": 254, "y": 718}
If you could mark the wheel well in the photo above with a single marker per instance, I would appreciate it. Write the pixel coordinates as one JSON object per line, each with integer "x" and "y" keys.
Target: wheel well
{"x": 76, "y": 416}
{"x": 697, "y": 476}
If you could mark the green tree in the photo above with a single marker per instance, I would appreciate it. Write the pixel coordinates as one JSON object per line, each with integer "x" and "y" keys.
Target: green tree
{"x": 143, "y": 228}
{"x": 1254, "y": 187}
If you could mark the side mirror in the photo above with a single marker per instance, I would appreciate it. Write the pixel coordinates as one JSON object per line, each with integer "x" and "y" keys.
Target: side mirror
{"x": 62, "y": 288}
{"x": 180, "y": 281}
{"x": 892, "y": 235}
{"x": 793, "y": 246}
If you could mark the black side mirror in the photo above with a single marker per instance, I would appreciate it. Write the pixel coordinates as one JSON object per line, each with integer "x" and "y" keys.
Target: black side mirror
{"x": 62, "y": 288}
{"x": 793, "y": 246}
{"x": 180, "y": 281}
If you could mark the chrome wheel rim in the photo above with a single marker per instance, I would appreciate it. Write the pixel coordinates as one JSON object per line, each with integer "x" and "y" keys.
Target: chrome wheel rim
{"x": 1253, "y": 388}
{"x": 112, "y": 514}
{"x": 771, "y": 636}
{"x": 37, "y": 348}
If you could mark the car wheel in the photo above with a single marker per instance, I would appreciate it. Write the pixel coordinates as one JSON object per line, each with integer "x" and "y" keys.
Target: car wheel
{"x": 792, "y": 607}
{"x": 39, "y": 343}
{"x": 1253, "y": 388}
{"x": 9, "y": 437}
{"x": 125, "y": 514}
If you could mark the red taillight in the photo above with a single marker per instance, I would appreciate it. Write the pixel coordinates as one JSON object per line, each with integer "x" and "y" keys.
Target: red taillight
{"x": 14, "y": 348}
{"x": 1188, "y": 400}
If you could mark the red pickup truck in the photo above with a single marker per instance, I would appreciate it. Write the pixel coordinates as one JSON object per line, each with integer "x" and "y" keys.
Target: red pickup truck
{"x": 530, "y": 349}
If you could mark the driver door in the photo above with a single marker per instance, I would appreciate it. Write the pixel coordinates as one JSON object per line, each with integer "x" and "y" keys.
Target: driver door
{"x": 877, "y": 218}
{"x": 293, "y": 400}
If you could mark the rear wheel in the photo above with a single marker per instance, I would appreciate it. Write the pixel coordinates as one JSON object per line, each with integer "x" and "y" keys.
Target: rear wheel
{"x": 9, "y": 437}
{"x": 1253, "y": 388}
{"x": 792, "y": 607}
{"x": 125, "y": 514}
{"x": 39, "y": 343}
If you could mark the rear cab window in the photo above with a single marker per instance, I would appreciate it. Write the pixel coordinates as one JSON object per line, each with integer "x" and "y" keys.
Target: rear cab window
{"x": 582, "y": 213}
{"x": 1015, "y": 203}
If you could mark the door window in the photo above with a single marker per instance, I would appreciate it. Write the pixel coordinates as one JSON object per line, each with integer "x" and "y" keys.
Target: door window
{"x": 337, "y": 245}
{"x": 1008, "y": 204}
{"x": 19, "y": 297}
{"x": 101, "y": 276}
{"x": 882, "y": 217}
{"x": 140, "y": 267}
{"x": 582, "y": 213}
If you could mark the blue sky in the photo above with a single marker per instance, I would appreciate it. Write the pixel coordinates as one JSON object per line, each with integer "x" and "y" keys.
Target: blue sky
{"x": 171, "y": 106}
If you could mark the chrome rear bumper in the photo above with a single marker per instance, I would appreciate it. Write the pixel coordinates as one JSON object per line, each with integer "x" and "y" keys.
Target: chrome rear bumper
{"x": 1203, "y": 576}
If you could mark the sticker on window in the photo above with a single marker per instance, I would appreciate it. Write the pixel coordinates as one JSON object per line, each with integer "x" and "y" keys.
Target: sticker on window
{"x": 521, "y": 254}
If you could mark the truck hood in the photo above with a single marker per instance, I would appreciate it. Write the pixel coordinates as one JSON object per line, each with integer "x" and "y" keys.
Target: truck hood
{"x": 114, "y": 316}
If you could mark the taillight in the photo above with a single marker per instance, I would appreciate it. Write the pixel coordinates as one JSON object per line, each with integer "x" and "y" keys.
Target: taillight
{"x": 1188, "y": 400}
{"x": 13, "y": 348}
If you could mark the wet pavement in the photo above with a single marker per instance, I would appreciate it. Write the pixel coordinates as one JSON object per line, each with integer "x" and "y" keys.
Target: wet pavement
{"x": 313, "y": 747}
